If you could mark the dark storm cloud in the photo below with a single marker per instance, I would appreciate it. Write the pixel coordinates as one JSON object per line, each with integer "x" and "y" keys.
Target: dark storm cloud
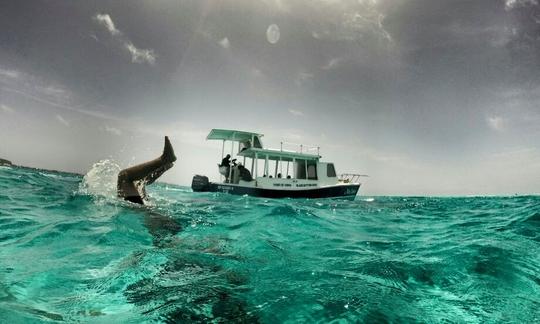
{"x": 64, "y": 41}
{"x": 436, "y": 37}
{"x": 366, "y": 48}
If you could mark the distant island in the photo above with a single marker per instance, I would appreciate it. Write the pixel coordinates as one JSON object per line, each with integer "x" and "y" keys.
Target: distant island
{"x": 5, "y": 162}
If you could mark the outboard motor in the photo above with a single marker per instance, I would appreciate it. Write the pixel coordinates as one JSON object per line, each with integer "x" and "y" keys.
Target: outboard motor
{"x": 199, "y": 183}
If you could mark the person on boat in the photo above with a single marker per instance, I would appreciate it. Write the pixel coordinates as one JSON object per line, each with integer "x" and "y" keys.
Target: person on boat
{"x": 226, "y": 162}
{"x": 245, "y": 175}
{"x": 245, "y": 145}
{"x": 225, "y": 166}
{"x": 131, "y": 181}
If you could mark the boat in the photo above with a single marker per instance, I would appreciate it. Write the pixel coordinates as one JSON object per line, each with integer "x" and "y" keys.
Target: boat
{"x": 274, "y": 173}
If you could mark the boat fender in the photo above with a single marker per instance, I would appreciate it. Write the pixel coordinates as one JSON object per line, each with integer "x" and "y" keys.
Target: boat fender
{"x": 199, "y": 183}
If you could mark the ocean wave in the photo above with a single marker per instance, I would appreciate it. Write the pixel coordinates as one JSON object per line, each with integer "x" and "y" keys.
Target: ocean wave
{"x": 71, "y": 251}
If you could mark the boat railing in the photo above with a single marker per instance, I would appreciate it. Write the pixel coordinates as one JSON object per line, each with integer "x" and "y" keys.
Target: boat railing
{"x": 300, "y": 148}
{"x": 351, "y": 177}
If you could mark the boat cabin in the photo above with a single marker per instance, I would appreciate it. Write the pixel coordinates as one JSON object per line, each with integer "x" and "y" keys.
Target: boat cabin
{"x": 271, "y": 168}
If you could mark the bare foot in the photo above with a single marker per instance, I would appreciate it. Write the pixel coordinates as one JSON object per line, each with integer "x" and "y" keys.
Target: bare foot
{"x": 168, "y": 152}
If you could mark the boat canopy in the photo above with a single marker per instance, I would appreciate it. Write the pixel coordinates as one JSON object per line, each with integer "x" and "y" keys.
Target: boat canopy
{"x": 232, "y": 135}
{"x": 276, "y": 155}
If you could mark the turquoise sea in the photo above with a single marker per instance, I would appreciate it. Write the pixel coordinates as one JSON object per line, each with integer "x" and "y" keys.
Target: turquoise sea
{"x": 71, "y": 252}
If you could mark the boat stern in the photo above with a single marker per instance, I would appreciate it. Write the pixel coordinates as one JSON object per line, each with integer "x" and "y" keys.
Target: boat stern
{"x": 200, "y": 183}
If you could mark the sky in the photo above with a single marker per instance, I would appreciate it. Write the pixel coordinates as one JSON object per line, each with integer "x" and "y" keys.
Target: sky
{"x": 427, "y": 97}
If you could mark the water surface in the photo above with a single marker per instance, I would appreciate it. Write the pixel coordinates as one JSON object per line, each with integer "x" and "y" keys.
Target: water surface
{"x": 71, "y": 252}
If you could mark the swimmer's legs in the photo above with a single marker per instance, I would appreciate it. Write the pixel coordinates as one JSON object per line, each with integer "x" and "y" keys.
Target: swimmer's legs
{"x": 145, "y": 173}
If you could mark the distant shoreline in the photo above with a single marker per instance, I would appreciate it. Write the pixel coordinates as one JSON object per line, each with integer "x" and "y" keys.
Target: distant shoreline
{"x": 4, "y": 162}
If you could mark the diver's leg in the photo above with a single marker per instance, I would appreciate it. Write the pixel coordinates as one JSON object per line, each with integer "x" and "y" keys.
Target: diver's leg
{"x": 157, "y": 173}
{"x": 128, "y": 190}
{"x": 146, "y": 172}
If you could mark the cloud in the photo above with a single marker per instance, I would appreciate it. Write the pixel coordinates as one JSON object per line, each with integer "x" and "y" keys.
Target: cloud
{"x": 344, "y": 20}
{"x": 9, "y": 73}
{"x": 256, "y": 73}
{"x": 281, "y": 5}
{"x": 138, "y": 55}
{"x": 113, "y": 130}
{"x": 511, "y": 4}
{"x": 62, "y": 120}
{"x": 106, "y": 21}
{"x": 225, "y": 43}
{"x": 495, "y": 122}
{"x": 517, "y": 153}
{"x": 38, "y": 98}
{"x": 295, "y": 112}
{"x": 350, "y": 20}
{"x": 302, "y": 78}
{"x": 332, "y": 63}
{"x": 7, "y": 109}
{"x": 58, "y": 93}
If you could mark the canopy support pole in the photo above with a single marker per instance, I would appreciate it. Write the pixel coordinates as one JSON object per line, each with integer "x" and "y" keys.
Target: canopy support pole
{"x": 256, "y": 166}
{"x": 266, "y": 166}
{"x": 223, "y": 149}
{"x": 232, "y": 152}
{"x": 222, "y": 155}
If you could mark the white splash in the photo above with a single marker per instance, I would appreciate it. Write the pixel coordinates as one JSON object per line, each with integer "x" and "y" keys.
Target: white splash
{"x": 101, "y": 179}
